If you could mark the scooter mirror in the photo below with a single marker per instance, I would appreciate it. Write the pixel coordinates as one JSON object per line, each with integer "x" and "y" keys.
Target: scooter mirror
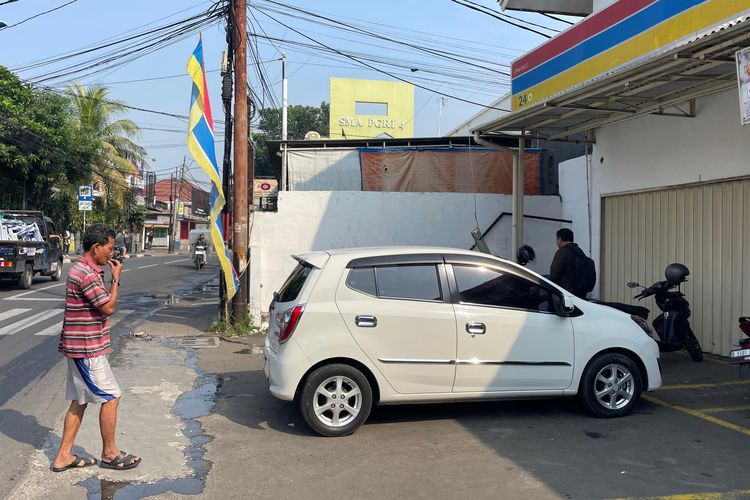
{"x": 633, "y": 284}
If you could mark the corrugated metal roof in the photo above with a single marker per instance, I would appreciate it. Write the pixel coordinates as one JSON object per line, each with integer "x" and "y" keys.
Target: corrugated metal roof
{"x": 699, "y": 65}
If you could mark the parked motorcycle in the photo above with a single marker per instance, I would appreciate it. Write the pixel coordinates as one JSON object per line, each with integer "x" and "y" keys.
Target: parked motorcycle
{"x": 672, "y": 325}
{"x": 199, "y": 256}
{"x": 741, "y": 356}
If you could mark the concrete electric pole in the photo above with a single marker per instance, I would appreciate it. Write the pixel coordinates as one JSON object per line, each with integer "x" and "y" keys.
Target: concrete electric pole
{"x": 241, "y": 135}
{"x": 284, "y": 119}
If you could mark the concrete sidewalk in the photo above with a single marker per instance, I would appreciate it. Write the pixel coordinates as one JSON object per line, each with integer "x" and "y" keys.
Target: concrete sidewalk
{"x": 163, "y": 391}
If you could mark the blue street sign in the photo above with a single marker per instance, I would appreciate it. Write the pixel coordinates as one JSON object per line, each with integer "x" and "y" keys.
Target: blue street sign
{"x": 86, "y": 193}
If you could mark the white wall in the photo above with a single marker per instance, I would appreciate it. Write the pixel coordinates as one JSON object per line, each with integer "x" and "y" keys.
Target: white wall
{"x": 323, "y": 220}
{"x": 659, "y": 151}
{"x": 575, "y": 197}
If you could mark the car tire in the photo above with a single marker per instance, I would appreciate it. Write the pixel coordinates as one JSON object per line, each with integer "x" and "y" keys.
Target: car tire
{"x": 58, "y": 272}
{"x": 26, "y": 278}
{"x": 611, "y": 385}
{"x": 330, "y": 396}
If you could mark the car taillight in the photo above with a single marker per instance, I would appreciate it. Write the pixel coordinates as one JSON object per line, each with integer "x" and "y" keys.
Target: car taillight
{"x": 289, "y": 322}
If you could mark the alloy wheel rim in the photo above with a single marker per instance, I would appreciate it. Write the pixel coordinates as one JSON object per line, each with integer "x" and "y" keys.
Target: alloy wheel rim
{"x": 337, "y": 401}
{"x": 614, "y": 386}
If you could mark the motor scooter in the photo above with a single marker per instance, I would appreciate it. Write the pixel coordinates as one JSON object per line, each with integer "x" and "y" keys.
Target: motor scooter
{"x": 199, "y": 256}
{"x": 672, "y": 326}
{"x": 741, "y": 356}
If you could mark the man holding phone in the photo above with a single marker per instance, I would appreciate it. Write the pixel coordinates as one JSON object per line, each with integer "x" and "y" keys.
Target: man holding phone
{"x": 85, "y": 342}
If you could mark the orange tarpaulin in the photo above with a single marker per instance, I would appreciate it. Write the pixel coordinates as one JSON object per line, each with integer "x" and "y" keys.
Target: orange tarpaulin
{"x": 441, "y": 171}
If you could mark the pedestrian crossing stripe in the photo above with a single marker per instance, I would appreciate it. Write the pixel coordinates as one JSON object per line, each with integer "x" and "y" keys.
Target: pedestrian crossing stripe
{"x": 27, "y": 322}
{"x": 12, "y": 313}
{"x": 54, "y": 329}
{"x": 57, "y": 327}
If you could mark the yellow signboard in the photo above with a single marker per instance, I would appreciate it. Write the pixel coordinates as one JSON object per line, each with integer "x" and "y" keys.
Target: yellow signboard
{"x": 364, "y": 109}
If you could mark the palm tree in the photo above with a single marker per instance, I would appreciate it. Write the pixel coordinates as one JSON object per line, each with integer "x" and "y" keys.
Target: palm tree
{"x": 118, "y": 153}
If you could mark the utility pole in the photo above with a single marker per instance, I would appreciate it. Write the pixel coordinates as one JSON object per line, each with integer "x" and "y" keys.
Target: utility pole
{"x": 241, "y": 134}
{"x": 170, "y": 247}
{"x": 440, "y": 115}
{"x": 284, "y": 119}
{"x": 226, "y": 99}
{"x": 178, "y": 192}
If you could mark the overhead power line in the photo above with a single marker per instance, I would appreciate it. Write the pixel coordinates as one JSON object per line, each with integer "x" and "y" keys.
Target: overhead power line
{"x": 556, "y": 18}
{"x": 379, "y": 70}
{"x": 492, "y": 13}
{"x": 436, "y": 53}
{"x": 36, "y": 15}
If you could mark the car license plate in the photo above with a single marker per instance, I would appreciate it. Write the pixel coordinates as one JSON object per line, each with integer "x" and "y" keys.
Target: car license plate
{"x": 740, "y": 356}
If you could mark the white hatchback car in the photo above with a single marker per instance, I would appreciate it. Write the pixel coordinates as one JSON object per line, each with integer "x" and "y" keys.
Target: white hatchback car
{"x": 357, "y": 327}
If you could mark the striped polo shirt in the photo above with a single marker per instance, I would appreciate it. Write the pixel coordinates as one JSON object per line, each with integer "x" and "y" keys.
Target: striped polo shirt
{"x": 85, "y": 331}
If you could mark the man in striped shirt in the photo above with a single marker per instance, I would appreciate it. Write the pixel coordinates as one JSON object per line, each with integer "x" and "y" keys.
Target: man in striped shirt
{"x": 85, "y": 343}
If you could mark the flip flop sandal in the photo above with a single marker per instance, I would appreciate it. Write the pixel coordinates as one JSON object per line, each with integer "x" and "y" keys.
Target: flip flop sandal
{"x": 87, "y": 462}
{"x": 123, "y": 458}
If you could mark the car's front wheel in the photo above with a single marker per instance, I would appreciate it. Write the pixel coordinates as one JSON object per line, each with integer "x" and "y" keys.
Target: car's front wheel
{"x": 336, "y": 400}
{"x": 611, "y": 385}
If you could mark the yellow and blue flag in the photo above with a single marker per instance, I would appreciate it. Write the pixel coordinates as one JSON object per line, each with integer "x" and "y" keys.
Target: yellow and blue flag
{"x": 202, "y": 146}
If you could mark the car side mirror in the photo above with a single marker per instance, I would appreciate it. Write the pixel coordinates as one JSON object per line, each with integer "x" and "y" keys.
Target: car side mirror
{"x": 633, "y": 284}
{"x": 565, "y": 306}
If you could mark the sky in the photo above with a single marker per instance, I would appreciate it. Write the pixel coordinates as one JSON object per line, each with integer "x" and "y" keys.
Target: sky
{"x": 407, "y": 35}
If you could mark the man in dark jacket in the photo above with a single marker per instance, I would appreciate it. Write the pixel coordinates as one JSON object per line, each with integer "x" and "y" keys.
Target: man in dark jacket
{"x": 564, "y": 268}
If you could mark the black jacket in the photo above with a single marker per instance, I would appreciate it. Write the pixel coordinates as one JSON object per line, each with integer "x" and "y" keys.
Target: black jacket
{"x": 563, "y": 268}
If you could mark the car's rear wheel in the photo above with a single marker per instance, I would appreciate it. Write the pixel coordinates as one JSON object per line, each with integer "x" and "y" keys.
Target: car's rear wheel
{"x": 611, "y": 385}
{"x": 58, "y": 272}
{"x": 336, "y": 400}
{"x": 26, "y": 278}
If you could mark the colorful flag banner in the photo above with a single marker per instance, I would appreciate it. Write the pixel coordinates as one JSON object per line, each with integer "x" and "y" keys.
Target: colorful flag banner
{"x": 202, "y": 147}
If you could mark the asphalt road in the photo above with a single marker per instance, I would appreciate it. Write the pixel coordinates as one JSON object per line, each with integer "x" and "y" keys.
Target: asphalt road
{"x": 32, "y": 374}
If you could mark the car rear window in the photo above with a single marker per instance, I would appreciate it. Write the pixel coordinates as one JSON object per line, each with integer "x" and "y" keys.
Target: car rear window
{"x": 294, "y": 283}
{"x": 408, "y": 282}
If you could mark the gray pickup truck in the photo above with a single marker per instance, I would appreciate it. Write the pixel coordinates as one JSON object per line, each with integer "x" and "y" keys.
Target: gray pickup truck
{"x": 20, "y": 260}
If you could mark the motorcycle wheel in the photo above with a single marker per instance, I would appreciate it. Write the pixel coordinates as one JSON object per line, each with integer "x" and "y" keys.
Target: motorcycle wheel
{"x": 692, "y": 346}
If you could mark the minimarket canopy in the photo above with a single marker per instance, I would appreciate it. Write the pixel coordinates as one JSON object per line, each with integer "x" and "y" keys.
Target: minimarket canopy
{"x": 665, "y": 83}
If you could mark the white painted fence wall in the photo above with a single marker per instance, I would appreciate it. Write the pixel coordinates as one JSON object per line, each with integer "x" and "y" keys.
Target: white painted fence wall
{"x": 323, "y": 220}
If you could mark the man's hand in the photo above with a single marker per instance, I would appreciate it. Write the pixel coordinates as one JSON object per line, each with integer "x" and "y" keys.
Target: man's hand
{"x": 115, "y": 266}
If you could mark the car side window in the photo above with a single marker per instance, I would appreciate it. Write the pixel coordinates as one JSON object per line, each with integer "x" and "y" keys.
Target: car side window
{"x": 489, "y": 287}
{"x": 418, "y": 282}
{"x": 362, "y": 279}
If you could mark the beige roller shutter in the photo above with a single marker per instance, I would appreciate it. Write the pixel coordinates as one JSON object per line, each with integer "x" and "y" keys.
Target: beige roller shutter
{"x": 707, "y": 228}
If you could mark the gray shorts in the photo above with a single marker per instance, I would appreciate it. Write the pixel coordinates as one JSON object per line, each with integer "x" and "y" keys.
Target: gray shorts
{"x": 90, "y": 380}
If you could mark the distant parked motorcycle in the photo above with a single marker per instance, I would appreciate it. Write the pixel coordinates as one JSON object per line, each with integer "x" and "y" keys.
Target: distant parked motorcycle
{"x": 199, "y": 257}
{"x": 672, "y": 325}
{"x": 741, "y": 356}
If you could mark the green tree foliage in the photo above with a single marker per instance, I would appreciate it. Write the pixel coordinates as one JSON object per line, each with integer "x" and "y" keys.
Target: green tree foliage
{"x": 301, "y": 120}
{"x": 42, "y": 151}
{"x": 117, "y": 153}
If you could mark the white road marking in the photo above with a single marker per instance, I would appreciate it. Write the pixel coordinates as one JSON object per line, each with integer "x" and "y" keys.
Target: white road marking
{"x": 34, "y": 291}
{"x": 52, "y": 330}
{"x": 144, "y": 267}
{"x": 11, "y": 313}
{"x": 57, "y": 327}
{"x": 25, "y": 299}
{"x": 126, "y": 270}
{"x": 33, "y": 320}
{"x": 175, "y": 261}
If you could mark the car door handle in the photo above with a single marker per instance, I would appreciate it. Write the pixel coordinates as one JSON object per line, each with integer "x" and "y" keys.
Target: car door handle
{"x": 476, "y": 328}
{"x": 366, "y": 321}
